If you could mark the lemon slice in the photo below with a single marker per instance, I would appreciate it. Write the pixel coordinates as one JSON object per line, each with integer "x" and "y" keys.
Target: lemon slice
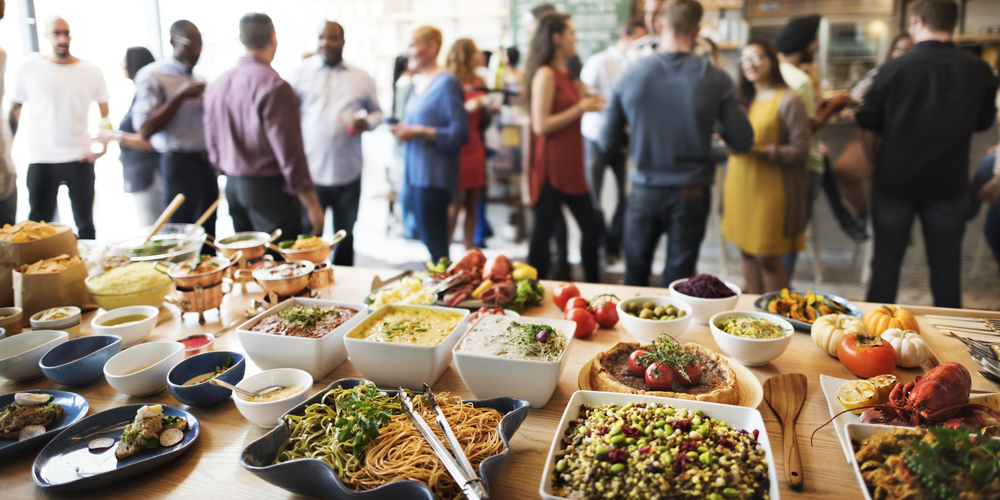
{"x": 884, "y": 385}
{"x": 857, "y": 393}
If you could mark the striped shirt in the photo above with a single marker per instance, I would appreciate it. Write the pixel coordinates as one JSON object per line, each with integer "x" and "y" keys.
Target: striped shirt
{"x": 253, "y": 128}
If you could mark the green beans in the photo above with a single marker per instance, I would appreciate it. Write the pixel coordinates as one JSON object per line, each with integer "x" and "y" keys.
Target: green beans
{"x": 648, "y": 430}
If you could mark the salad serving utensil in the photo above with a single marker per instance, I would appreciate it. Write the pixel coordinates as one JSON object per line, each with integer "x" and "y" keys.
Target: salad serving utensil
{"x": 227, "y": 385}
{"x": 379, "y": 283}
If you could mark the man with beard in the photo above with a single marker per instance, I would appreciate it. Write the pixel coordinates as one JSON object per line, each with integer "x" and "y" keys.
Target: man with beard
{"x": 338, "y": 103}
{"x": 169, "y": 113}
{"x": 60, "y": 88}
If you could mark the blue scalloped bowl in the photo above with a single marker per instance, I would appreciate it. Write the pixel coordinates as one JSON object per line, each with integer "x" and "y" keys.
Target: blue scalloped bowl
{"x": 316, "y": 478}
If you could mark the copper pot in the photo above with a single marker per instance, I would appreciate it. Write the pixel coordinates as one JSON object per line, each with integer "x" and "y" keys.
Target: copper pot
{"x": 267, "y": 278}
{"x": 322, "y": 276}
{"x": 211, "y": 296}
{"x": 314, "y": 255}
{"x": 208, "y": 279}
{"x": 253, "y": 244}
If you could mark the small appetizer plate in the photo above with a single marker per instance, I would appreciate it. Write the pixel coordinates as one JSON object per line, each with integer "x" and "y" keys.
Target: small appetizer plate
{"x": 67, "y": 464}
{"x": 75, "y": 407}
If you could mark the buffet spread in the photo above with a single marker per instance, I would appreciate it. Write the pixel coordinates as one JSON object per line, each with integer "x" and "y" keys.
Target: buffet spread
{"x": 473, "y": 379}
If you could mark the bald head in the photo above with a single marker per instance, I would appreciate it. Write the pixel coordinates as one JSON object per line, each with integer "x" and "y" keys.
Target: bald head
{"x": 331, "y": 43}
{"x": 57, "y": 31}
{"x": 186, "y": 41}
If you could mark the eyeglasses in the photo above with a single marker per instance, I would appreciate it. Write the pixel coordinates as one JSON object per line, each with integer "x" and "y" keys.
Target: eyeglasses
{"x": 752, "y": 59}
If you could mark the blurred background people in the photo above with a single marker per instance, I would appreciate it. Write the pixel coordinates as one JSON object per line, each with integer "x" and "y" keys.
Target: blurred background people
{"x": 461, "y": 62}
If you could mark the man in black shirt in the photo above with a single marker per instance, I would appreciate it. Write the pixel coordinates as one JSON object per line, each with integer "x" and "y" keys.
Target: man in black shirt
{"x": 917, "y": 121}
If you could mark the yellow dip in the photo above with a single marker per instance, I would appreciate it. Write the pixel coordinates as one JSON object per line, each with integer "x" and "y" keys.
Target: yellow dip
{"x": 411, "y": 326}
{"x": 121, "y": 320}
{"x": 137, "y": 370}
{"x": 204, "y": 377}
{"x": 277, "y": 395}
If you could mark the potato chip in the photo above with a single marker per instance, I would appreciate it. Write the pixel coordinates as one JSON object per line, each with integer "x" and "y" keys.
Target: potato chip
{"x": 52, "y": 265}
{"x": 27, "y": 230}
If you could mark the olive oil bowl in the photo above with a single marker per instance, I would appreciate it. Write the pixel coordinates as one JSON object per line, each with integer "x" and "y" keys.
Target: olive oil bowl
{"x": 133, "y": 324}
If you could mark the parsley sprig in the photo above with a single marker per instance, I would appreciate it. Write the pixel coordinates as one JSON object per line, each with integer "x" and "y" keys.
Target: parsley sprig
{"x": 305, "y": 315}
{"x": 666, "y": 350}
{"x": 953, "y": 453}
{"x": 361, "y": 412}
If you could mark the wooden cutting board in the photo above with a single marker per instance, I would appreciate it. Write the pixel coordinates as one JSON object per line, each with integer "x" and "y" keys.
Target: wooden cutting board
{"x": 944, "y": 348}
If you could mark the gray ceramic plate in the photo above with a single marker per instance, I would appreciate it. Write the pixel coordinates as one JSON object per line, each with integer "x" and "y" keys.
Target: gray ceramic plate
{"x": 761, "y": 305}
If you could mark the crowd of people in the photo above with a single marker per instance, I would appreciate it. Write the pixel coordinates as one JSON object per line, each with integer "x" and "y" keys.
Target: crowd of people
{"x": 658, "y": 97}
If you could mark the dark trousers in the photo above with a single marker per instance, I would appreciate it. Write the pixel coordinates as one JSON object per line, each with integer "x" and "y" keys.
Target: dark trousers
{"x": 259, "y": 204}
{"x": 681, "y": 213}
{"x": 991, "y": 229}
{"x": 791, "y": 258}
{"x": 943, "y": 224}
{"x": 597, "y": 160}
{"x": 8, "y": 208}
{"x": 430, "y": 210}
{"x": 43, "y": 182}
{"x": 550, "y": 202}
{"x": 343, "y": 201}
{"x": 190, "y": 174}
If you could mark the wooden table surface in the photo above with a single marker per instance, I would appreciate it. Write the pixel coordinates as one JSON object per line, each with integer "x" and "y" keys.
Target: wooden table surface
{"x": 211, "y": 469}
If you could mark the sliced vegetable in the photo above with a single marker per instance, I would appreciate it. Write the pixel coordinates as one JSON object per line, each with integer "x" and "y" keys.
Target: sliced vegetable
{"x": 30, "y": 431}
{"x": 171, "y": 437}
{"x": 481, "y": 288}
{"x": 101, "y": 444}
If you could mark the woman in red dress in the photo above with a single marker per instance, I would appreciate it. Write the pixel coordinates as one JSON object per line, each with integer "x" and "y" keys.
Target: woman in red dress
{"x": 557, "y": 174}
{"x": 462, "y": 61}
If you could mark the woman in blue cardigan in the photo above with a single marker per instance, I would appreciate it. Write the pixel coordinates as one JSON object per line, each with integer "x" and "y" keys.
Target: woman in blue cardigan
{"x": 435, "y": 126}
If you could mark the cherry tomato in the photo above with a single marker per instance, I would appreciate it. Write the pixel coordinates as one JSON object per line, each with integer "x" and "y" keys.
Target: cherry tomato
{"x": 693, "y": 373}
{"x": 607, "y": 314}
{"x": 576, "y": 302}
{"x": 635, "y": 365}
{"x": 659, "y": 377}
{"x": 866, "y": 355}
{"x": 563, "y": 292}
{"x": 585, "y": 322}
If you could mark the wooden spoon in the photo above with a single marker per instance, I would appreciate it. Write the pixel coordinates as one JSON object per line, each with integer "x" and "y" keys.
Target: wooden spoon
{"x": 174, "y": 205}
{"x": 785, "y": 394}
{"x": 204, "y": 217}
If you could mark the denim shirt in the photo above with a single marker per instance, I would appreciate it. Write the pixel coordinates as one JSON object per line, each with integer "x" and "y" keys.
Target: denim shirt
{"x": 434, "y": 164}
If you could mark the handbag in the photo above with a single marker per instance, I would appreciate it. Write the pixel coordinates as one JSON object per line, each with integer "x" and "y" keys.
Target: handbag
{"x": 853, "y": 164}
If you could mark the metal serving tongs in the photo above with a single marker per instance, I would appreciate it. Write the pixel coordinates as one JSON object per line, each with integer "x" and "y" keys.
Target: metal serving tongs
{"x": 462, "y": 471}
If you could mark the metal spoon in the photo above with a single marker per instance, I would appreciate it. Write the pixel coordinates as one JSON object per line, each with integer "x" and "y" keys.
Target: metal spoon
{"x": 227, "y": 385}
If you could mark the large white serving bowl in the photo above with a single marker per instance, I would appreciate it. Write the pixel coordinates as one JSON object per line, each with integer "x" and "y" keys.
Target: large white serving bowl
{"x": 267, "y": 414}
{"x": 645, "y": 330}
{"x": 398, "y": 365}
{"x": 703, "y": 309}
{"x": 490, "y": 376}
{"x": 747, "y": 351}
{"x": 155, "y": 358}
{"x": 319, "y": 356}
{"x": 737, "y": 417}
{"x": 131, "y": 333}
{"x": 20, "y": 354}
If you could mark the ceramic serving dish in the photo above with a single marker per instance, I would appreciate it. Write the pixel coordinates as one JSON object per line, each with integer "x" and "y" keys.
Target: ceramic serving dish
{"x": 131, "y": 333}
{"x": 19, "y": 355}
{"x": 315, "y": 478}
{"x": 703, "y": 309}
{"x": 646, "y": 330}
{"x": 761, "y": 305}
{"x": 80, "y": 362}
{"x": 267, "y": 413}
{"x": 747, "y": 351}
{"x": 75, "y": 407}
{"x": 142, "y": 370}
{"x": 10, "y": 320}
{"x": 205, "y": 395}
{"x": 70, "y": 323}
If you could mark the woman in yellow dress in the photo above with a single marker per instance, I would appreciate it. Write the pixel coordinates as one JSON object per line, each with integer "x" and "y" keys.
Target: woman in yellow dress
{"x": 764, "y": 202}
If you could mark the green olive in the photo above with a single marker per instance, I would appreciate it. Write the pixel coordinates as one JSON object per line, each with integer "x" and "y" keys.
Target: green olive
{"x": 648, "y": 305}
{"x": 670, "y": 310}
{"x": 681, "y": 314}
{"x": 666, "y": 318}
{"x": 646, "y": 314}
{"x": 659, "y": 311}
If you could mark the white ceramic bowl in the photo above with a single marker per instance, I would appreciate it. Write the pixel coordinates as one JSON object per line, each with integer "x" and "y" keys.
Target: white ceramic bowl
{"x": 69, "y": 324}
{"x": 143, "y": 369}
{"x": 10, "y": 320}
{"x": 747, "y": 351}
{"x": 490, "y": 376}
{"x": 397, "y": 365}
{"x": 131, "y": 333}
{"x": 319, "y": 356}
{"x": 267, "y": 414}
{"x": 645, "y": 330}
{"x": 20, "y": 354}
{"x": 703, "y": 309}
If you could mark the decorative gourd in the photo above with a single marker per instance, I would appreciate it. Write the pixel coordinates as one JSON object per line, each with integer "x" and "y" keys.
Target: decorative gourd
{"x": 827, "y": 330}
{"x": 883, "y": 318}
{"x": 911, "y": 348}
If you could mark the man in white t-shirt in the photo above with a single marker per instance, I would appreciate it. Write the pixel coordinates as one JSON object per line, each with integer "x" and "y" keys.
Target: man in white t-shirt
{"x": 60, "y": 88}
{"x": 8, "y": 174}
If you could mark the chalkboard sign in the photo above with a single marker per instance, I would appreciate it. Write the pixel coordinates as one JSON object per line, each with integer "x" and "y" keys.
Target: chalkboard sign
{"x": 596, "y": 22}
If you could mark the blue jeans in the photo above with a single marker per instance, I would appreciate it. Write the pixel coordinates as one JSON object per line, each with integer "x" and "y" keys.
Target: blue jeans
{"x": 681, "y": 213}
{"x": 597, "y": 160}
{"x": 943, "y": 223}
{"x": 430, "y": 210}
{"x": 991, "y": 230}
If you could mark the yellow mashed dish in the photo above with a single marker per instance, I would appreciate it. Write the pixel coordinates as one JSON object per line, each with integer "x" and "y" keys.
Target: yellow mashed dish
{"x": 411, "y": 326}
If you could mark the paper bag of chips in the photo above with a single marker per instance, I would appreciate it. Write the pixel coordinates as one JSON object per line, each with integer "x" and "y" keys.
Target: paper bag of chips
{"x": 38, "y": 291}
{"x": 28, "y": 242}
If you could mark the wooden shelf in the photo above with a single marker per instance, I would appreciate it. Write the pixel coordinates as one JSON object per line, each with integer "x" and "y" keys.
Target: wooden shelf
{"x": 737, "y": 4}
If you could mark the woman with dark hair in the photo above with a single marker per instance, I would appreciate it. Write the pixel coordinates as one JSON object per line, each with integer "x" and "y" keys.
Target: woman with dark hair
{"x": 461, "y": 62}
{"x": 140, "y": 162}
{"x": 764, "y": 200}
{"x": 557, "y": 174}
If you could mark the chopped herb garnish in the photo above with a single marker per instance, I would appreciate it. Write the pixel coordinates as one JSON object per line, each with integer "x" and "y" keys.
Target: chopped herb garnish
{"x": 305, "y": 315}
{"x": 523, "y": 339}
{"x": 404, "y": 326}
{"x": 226, "y": 364}
{"x": 151, "y": 442}
{"x": 950, "y": 458}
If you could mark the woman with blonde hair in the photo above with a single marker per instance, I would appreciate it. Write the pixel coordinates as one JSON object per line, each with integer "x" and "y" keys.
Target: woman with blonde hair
{"x": 434, "y": 128}
{"x": 462, "y": 61}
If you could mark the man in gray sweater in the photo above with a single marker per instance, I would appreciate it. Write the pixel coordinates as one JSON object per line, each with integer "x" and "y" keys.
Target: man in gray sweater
{"x": 666, "y": 106}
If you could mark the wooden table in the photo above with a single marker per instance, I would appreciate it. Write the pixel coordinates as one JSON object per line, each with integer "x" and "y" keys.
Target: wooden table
{"x": 211, "y": 469}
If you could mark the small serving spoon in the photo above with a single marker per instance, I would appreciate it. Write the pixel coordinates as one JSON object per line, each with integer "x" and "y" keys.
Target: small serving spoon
{"x": 785, "y": 394}
{"x": 227, "y": 385}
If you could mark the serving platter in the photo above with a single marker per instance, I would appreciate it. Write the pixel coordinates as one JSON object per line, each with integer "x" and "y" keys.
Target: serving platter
{"x": 751, "y": 390}
{"x": 314, "y": 477}
{"x": 761, "y": 305}
{"x": 75, "y": 407}
{"x": 67, "y": 464}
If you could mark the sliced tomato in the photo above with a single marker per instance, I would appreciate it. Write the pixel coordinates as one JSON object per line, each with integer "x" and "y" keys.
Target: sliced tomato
{"x": 562, "y": 293}
{"x": 866, "y": 355}
{"x": 659, "y": 377}
{"x": 585, "y": 322}
{"x": 635, "y": 364}
{"x": 693, "y": 375}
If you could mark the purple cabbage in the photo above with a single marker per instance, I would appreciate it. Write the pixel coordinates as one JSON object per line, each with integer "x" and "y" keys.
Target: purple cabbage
{"x": 705, "y": 286}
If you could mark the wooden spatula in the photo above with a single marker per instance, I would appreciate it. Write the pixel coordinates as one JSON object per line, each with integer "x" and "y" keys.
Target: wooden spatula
{"x": 785, "y": 394}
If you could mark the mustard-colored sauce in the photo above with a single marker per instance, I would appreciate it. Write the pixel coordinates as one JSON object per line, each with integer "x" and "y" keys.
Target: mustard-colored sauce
{"x": 411, "y": 326}
{"x": 121, "y": 320}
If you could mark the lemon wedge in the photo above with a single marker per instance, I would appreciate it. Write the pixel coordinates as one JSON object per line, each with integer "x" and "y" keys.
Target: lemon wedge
{"x": 884, "y": 385}
{"x": 856, "y": 393}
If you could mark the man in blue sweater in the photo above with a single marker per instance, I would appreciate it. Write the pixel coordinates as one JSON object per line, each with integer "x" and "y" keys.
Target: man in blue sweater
{"x": 671, "y": 102}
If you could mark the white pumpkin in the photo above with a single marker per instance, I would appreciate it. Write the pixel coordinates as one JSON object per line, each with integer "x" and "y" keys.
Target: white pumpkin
{"x": 829, "y": 329}
{"x": 911, "y": 349}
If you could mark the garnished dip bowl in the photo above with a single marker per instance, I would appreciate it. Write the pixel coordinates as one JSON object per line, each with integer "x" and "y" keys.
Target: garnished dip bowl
{"x": 751, "y": 338}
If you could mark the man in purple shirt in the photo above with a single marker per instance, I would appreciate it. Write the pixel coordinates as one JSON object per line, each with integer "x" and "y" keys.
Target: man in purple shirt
{"x": 254, "y": 136}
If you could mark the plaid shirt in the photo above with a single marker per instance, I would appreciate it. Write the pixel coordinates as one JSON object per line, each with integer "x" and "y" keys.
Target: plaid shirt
{"x": 253, "y": 128}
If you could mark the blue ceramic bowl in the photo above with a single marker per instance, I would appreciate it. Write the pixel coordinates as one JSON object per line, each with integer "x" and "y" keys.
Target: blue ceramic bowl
{"x": 3, "y": 333}
{"x": 80, "y": 361}
{"x": 204, "y": 395}
{"x": 315, "y": 478}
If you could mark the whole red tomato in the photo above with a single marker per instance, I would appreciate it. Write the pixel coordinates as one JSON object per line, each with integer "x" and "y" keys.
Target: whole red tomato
{"x": 585, "y": 322}
{"x": 563, "y": 292}
{"x": 635, "y": 364}
{"x": 866, "y": 355}
{"x": 576, "y": 302}
{"x": 659, "y": 377}
{"x": 693, "y": 373}
{"x": 607, "y": 314}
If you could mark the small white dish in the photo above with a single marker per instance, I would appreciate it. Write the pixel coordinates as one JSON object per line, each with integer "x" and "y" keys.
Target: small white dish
{"x": 266, "y": 414}
{"x": 646, "y": 330}
{"x": 70, "y": 323}
{"x": 21, "y": 353}
{"x": 747, "y": 351}
{"x": 703, "y": 309}
{"x": 131, "y": 333}
{"x": 143, "y": 369}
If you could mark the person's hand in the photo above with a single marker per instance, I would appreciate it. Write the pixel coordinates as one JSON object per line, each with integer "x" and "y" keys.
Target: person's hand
{"x": 406, "y": 133}
{"x": 824, "y": 150}
{"x": 838, "y": 102}
{"x": 192, "y": 89}
{"x": 993, "y": 149}
{"x": 761, "y": 149}
{"x": 317, "y": 218}
{"x": 990, "y": 192}
{"x": 90, "y": 157}
{"x": 360, "y": 125}
{"x": 591, "y": 103}
{"x": 104, "y": 136}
